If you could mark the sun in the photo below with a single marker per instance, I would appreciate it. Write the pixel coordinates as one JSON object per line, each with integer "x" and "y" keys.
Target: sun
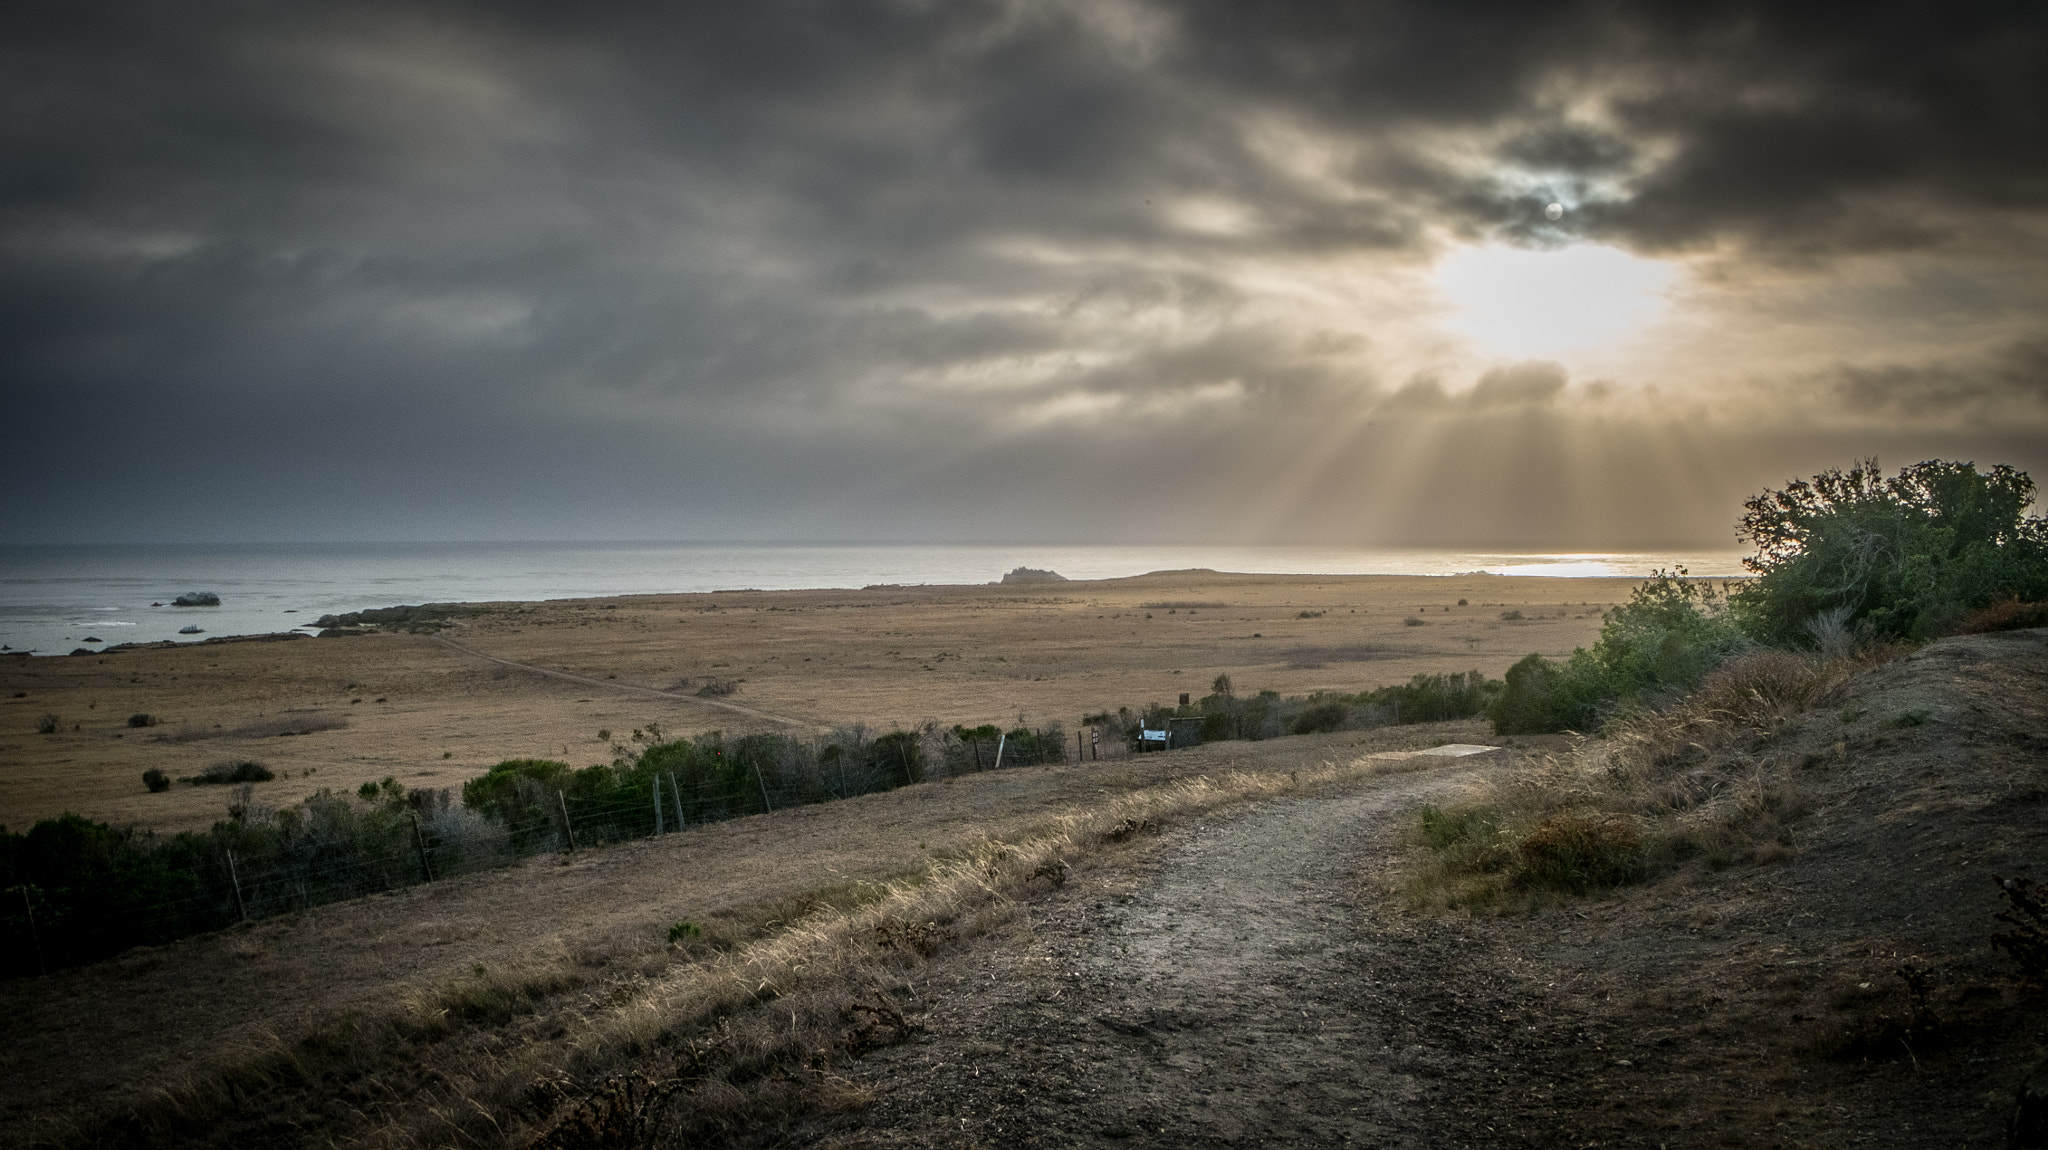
{"x": 1522, "y": 303}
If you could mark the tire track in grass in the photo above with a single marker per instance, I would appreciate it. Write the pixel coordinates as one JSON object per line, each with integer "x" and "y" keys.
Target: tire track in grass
{"x": 628, "y": 688}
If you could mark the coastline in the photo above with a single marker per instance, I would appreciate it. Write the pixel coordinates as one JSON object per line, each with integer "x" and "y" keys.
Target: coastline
{"x": 429, "y": 714}
{"x": 54, "y": 600}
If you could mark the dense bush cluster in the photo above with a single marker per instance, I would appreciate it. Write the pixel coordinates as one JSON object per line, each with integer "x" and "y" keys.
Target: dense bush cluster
{"x": 1844, "y": 560}
{"x": 1657, "y": 646}
{"x": 1907, "y": 557}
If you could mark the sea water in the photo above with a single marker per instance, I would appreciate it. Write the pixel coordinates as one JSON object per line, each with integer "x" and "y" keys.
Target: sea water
{"x": 57, "y": 599}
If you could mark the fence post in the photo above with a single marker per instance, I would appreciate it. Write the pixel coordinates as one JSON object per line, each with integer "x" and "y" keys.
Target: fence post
{"x": 568, "y": 828}
{"x": 34, "y": 935}
{"x": 419, "y": 842}
{"x": 658, "y": 828}
{"x": 236, "y": 881}
{"x": 763, "y": 780}
{"x": 675, "y": 793}
{"x": 1080, "y": 756}
{"x": 1000, "y": 740}
{"x": 903, "y": 756}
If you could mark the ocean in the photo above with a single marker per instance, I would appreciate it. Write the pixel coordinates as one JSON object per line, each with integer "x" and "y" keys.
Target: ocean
{"x": 56, "y": 599}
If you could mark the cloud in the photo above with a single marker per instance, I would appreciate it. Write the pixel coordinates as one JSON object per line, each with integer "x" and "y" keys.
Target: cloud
{"x": 712, "y": 267}
{"x": 2010, "y": 384}
{"x": 1536, "y": 381}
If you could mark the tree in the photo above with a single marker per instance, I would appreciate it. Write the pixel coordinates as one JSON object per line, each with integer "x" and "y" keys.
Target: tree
{"x": 1903, "y": 558}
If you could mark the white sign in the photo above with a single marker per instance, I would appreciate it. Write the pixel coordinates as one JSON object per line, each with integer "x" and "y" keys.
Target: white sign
{"x": 1152, "y": 736}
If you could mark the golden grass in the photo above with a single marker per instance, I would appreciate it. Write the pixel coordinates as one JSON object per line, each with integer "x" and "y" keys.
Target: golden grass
{"x": 435, "y": 717}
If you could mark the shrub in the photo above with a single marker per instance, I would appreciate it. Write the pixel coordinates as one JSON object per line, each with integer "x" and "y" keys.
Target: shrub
{"x": 1435, "y": 698}
{"x": 2005, "y": 615}
{"x": 2027, "y": 916}
{"x": 1539, "y": 697}
{"x": 157, "y": 781}
{"x": 142, "y": 719}
{"x": 1573, "y": 852}
{"x": 235, "y": 771}
{"x": 1908, "y": 557}
{"x": 1319, "y": 717}
{"x": 1413, "y": 621}
{"x": 1661, "y": 643}
{"x": 47, "y": 725}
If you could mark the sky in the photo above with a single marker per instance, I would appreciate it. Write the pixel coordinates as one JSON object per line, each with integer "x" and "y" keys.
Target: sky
{"x": 1565, "y": 276}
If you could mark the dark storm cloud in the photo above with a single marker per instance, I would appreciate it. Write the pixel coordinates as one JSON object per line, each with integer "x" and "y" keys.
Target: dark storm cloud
{"x": 768, "y": 253}
{"x": 2011, "y": 384}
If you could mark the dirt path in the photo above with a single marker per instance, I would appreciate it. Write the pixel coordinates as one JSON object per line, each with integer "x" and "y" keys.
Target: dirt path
{"x": 628, "y": 688}
{"x": 1217, "y": 994}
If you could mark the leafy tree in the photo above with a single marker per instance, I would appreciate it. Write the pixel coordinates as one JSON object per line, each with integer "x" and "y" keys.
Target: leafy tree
{"x": 1904, "y": 557}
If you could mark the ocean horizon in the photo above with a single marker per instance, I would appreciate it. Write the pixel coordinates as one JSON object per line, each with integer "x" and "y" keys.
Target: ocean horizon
{"x": 57, "y": 598}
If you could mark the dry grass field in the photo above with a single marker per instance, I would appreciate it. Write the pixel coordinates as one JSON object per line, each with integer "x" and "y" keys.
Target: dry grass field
{"x": 435, "y": 714}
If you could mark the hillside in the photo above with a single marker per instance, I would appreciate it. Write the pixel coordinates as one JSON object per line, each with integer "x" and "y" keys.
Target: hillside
{"x": 1207, "y": 947}
{"x": 1261, "y": 979}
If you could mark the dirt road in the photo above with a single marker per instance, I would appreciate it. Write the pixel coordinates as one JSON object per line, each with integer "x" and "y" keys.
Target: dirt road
{"x": 1216, "y": 994}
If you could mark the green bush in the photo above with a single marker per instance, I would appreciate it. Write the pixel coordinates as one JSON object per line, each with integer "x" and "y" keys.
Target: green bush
{"x": 1660, "y": 644}
{"x": 1319, "y": 717}
{"x": 157, "y": 781}
{"x": 1901, "y": 558}
{"x": 1539, "y": 696}
{"x": 235, "y": 771}
{"x": 1434, "y": 698}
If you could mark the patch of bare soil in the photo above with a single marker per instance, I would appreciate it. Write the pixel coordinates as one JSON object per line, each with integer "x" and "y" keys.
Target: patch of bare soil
{"x": 1257, "y": 980}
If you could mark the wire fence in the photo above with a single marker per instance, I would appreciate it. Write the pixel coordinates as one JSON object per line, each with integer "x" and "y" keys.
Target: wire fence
{"x": 73, "y": 891}
{"x": 76, "y": 890}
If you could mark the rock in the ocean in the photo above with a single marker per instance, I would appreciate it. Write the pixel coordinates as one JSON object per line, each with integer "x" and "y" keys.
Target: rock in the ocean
{"x": 1034, "y": 575}
{"x": 191, "y": 630}
{"x": 196, "y": 599}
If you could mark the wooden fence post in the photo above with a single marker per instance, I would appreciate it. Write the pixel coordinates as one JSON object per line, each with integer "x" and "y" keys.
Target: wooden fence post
{"x": 35, "y": 936}
{"x": 675, "y": 793}
{"x": 1000, "y": 740}
{"x": 658, "y": 829}
{"x": 763, "y": 780}
{"x": 235, "y": 880}
{"x": 568, "y": 828}
{"x": 419, "y": 842}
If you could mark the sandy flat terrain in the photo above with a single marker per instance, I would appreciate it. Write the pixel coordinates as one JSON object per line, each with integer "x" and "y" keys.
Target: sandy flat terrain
{"x": 434, "y": 713}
